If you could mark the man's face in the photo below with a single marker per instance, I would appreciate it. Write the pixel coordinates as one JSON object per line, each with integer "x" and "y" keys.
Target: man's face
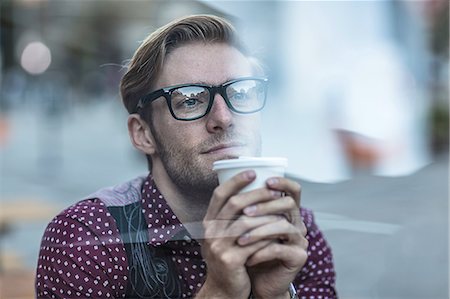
{"x": 187, "y": 149}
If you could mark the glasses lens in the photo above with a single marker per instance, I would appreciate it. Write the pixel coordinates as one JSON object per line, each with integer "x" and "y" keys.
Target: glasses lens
{"x": 189, "y": 102}
{"x": 247, "y": 95}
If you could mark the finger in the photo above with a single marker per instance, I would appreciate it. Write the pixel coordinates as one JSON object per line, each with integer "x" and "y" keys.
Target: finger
{"x": 293, "y": 189}
{"x": 282, "y": 205}
{"x": 295, "y": 217}
{"x": 293, "y": 257}
{"x": 230, "y": 253}
{"x": 303, "y": 230}
{"x": 288, "y": 186}
{"x": 245, "y": 201}
{"x": 245, "y": 224}
{"x": 217, "y": 228}
{"x": 224, "y": 191}
{"x": 281, "y": 230}
{"x": 247, "y": 251}
{"x": 214, "y": 228}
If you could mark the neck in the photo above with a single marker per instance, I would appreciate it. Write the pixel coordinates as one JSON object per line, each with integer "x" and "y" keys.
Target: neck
{"x": 189, "y": 205}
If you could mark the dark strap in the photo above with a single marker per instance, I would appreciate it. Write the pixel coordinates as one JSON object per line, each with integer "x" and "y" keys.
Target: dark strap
{"x": 152, "y": 273}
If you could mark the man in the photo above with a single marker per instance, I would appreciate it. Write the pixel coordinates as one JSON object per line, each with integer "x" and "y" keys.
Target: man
{"x": 193, "y": 94}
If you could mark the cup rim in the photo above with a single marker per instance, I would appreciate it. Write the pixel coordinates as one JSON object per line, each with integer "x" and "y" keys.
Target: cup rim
{"x": 244, "y": 162}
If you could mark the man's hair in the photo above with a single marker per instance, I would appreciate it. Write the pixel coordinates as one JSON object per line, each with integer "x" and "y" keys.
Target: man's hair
{"x": 148, "y": 60}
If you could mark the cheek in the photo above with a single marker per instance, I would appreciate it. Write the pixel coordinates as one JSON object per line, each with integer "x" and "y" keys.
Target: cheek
{"x": 249, "y": 124}
{"x": 163, "y": 121}
{"x": 160, "y": 111}
{"x": 176, "y": 135}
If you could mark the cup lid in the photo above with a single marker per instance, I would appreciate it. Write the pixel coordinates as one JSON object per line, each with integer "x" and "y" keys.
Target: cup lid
{"x": 250, "y": 162}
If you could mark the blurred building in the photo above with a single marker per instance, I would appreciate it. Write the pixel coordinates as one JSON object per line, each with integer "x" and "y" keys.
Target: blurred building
{"x": 351, "y": 84}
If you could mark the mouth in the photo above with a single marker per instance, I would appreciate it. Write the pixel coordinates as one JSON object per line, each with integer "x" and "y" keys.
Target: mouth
{"x": 224, "y": 148}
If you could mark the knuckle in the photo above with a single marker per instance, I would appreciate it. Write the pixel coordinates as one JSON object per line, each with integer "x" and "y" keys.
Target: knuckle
{"x": 305, "y": 243}
{"x": 216, "y": 248}
{"x": 302, "y": 254}
{"x": 218, "y": 193}
{"x": 228, "y": 258}
{"x": 245, "y": 222}
{"x": 234, "y": 203}
{"x": 211, "y": 231}
{"x": 208, "y": 232}
{"x": 297, "y": 188}
{"x": 291, "y": 203}
{"x": 303, "y": 229}
{"x": 277, "y": 250}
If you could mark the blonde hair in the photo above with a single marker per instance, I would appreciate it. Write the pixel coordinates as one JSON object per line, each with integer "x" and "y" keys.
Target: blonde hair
{"x": 147, "y": 62}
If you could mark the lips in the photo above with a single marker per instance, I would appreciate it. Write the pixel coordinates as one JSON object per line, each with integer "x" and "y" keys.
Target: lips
{"x": 222, "y": 147}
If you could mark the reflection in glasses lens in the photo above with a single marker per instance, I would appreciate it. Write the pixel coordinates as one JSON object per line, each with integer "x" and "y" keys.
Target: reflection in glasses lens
{"x": 244, "y": 96}
{"x": 189, "y": 102}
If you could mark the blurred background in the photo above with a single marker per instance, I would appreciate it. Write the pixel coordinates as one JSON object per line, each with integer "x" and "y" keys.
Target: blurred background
{"x": 359, "y": 104}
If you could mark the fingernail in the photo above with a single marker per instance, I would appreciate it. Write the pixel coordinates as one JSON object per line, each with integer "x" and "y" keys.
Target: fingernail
{"x": 250, "y": 175}
{"x": 272, "y": 181}
{"x": 250, "y": 210}
{"x": 275, "y": 194}
{"x": 244, "y": 239}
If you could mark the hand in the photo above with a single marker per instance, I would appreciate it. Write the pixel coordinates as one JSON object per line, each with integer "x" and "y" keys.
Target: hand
{"x": 224, "y": 223}
{"x": 274, "y": 267}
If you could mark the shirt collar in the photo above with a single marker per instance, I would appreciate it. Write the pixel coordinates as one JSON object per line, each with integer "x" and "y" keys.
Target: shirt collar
{"x": 162, "y": 223}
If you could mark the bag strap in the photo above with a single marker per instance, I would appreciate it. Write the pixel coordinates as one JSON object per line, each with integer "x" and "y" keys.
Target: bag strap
{"x": 152, "y": 273}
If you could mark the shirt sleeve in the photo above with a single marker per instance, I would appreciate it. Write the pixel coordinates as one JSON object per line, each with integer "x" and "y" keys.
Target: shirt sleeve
{"x": 317, "y": 278}
{"x": 82, "y": 255}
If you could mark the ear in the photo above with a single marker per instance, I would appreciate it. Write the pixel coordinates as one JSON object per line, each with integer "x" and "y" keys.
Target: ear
{"x": 140, "y": 134}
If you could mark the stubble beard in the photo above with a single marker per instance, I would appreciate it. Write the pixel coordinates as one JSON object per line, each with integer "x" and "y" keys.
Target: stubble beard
{"x": 188, "y": 171}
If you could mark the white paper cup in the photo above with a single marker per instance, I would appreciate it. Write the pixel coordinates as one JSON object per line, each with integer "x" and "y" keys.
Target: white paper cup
{"x": 265, "y": 167}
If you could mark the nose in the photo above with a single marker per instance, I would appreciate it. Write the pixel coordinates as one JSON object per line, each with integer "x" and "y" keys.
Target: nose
{"x": 220, "y": 117}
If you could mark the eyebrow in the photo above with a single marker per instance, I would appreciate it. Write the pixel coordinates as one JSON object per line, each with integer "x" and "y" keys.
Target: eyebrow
{"x": 206, "y": 83}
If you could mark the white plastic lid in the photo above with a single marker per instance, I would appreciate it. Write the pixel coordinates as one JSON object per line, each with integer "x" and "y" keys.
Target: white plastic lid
{"x": 250, "y": 162}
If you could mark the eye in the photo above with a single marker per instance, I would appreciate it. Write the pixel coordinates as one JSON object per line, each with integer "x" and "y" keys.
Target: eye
{"x": 239, "y": 96}
{"x": 190, "y": 103}
{"x": 190, "y": 97}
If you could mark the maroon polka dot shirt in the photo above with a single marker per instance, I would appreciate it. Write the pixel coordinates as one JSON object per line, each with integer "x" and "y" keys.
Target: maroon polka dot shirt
{"x": 82, "y": 254}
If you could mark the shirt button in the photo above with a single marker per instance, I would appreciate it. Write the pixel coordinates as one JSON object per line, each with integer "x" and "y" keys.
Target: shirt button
{"x": 187, "y": 238}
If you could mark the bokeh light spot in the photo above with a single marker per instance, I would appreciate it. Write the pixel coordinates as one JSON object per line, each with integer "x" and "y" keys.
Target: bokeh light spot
{"x": 36, "y": 58}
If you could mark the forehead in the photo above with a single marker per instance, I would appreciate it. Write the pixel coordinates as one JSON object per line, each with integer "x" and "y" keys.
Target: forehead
{"x": 210, "y": 63}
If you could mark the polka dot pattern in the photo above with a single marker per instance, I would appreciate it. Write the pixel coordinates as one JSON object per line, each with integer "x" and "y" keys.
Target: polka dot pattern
{"x": 82, "y": 254}
{"x": 317, "y": 278}
{"x": 162, "y": 223}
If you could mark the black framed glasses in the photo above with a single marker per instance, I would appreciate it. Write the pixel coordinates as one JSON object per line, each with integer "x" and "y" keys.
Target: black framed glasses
{"x": 193, "y": 101}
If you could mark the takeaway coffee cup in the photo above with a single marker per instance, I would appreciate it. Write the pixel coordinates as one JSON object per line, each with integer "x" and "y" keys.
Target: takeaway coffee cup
{"x": 265, "y": 167}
